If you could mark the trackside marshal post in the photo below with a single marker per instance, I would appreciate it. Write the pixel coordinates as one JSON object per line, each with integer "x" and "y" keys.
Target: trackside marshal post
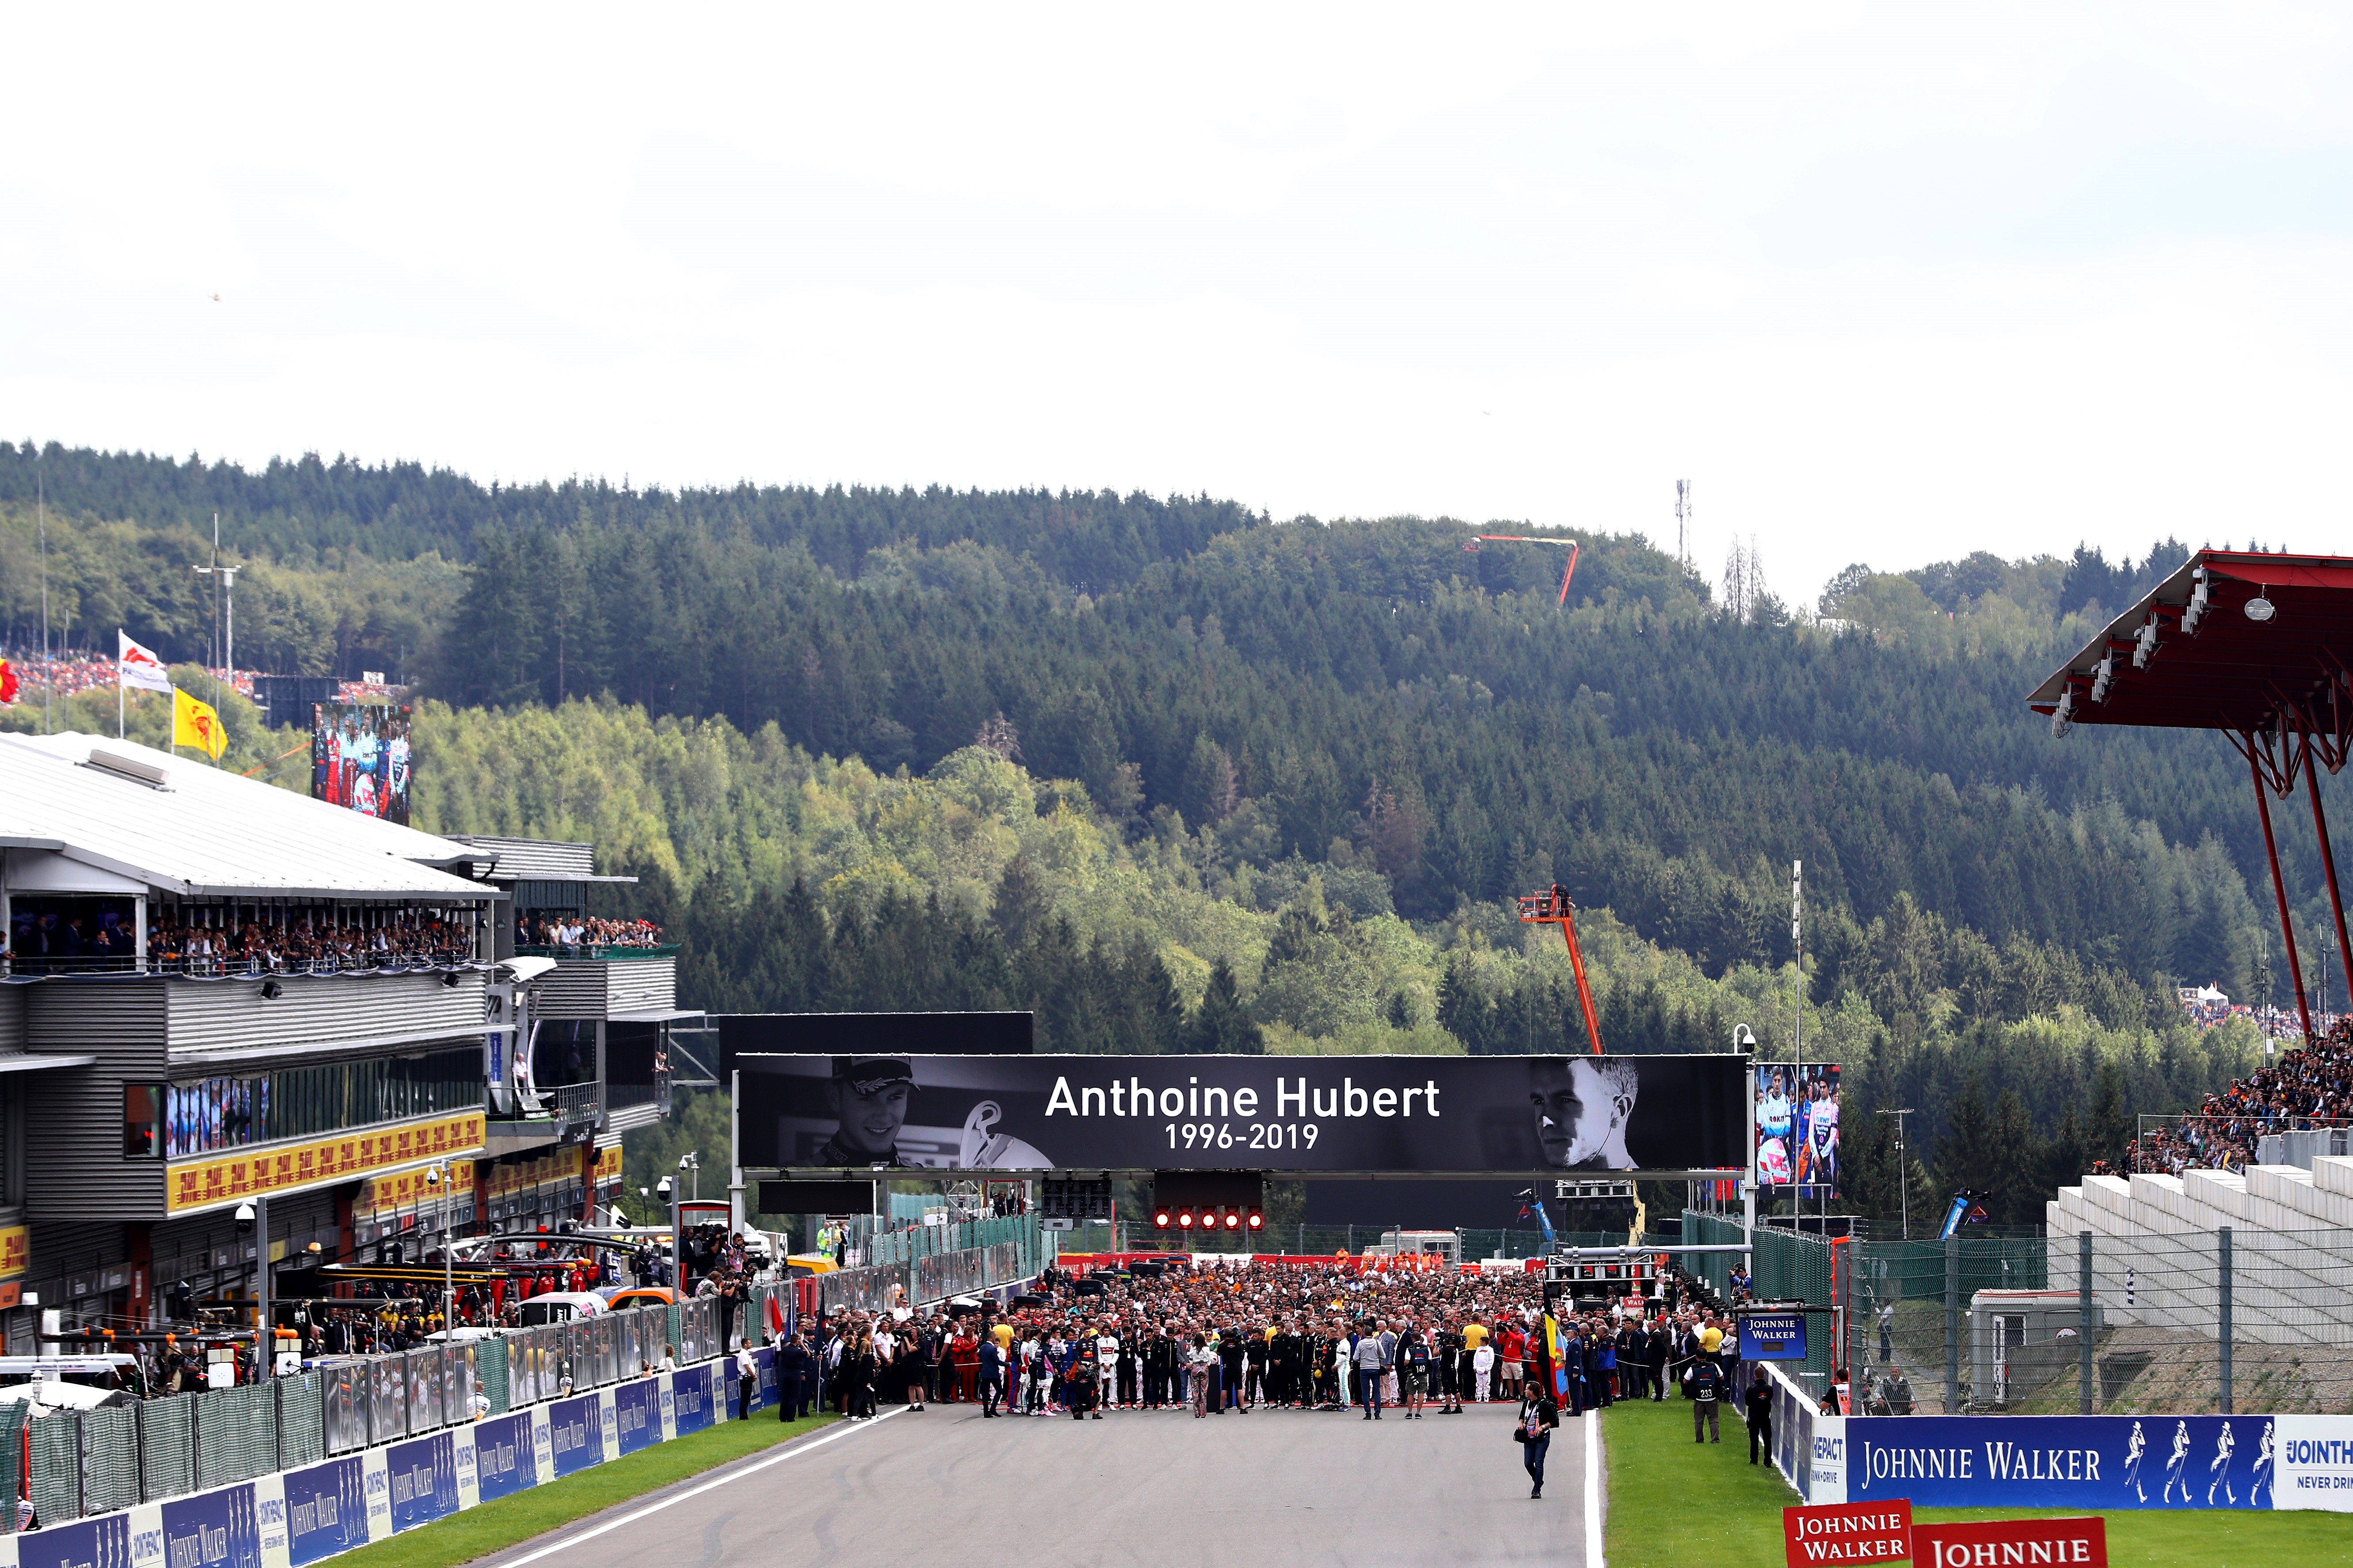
{"x": 1848, "y": 1532}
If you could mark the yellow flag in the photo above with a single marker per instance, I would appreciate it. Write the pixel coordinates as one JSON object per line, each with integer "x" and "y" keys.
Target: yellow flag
{"x": 193, "y": 723}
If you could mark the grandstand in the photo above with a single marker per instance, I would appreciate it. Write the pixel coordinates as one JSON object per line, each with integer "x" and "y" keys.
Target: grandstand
{"x": 2220, "y": 1258}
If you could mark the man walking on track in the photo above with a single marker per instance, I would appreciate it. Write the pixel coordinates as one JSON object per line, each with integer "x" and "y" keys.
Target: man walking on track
{"x": 1706, "y": 1387}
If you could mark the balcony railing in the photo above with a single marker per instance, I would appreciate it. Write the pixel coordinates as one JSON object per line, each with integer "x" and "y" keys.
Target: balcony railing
{"x": 209, "y": 967}
{"x": 596, "y": 949}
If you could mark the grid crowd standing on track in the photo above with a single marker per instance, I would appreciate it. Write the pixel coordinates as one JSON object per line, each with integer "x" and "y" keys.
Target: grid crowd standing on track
{"x": 1214, "y": 1338}
{"x": 2310, "y": 1087}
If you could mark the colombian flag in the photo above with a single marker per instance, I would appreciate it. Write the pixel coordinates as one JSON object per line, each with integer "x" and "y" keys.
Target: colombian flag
{"x": 194, "y": 723}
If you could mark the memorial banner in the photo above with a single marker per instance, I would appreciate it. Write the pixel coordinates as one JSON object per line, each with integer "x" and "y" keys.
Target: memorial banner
{"x": 1463, "y": 1115}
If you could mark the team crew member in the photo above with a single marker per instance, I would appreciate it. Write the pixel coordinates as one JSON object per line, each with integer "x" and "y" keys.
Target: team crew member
{"x": 1707, "y": 1384}
{"x": 1413, "y": 1370}
{"x": 1760, "y": 1401}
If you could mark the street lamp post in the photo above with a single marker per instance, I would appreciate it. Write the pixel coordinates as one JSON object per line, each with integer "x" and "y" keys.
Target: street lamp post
{"x": 666, "y": 1192}
{"x": 436, "y": 1176}
{"x": 1902, "y": 1173}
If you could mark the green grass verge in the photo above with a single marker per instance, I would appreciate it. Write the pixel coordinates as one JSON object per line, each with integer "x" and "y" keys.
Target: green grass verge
{"x": 495, "y": 1526}
{"x": 1673, "y": 1504}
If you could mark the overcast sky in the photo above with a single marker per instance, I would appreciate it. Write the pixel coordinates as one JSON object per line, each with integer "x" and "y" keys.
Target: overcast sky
{"x": 1887, "y": 284}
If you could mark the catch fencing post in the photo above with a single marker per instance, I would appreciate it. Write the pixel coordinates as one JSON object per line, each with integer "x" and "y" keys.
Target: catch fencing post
{"x": 2222, "y": 1279}
{"x": 1952, "y": 1325}
{"x": 2083, "y": 1323}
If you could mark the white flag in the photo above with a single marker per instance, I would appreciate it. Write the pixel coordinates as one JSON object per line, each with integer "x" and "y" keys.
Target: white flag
{"x": 138, "y": 666}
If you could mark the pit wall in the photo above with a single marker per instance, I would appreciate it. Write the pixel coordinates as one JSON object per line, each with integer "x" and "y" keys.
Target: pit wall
{"x": 2097, "y": 1463}
{"x": 293, "y": 1518}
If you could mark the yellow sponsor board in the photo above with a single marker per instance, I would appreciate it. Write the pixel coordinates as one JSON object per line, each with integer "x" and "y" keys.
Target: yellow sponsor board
{"x": 16, "y": 1251}
{"x": 409, "y": 1189}
{"x": 287, "y": 1167}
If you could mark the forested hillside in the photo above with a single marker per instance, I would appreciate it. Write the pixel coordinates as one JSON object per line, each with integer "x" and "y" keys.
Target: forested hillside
{"x": 1173, "y": 773}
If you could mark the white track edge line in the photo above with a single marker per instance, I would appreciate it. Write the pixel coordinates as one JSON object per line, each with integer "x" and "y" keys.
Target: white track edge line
{"x": 792, "y": 1451}
{"x": 1593, "y": 1558}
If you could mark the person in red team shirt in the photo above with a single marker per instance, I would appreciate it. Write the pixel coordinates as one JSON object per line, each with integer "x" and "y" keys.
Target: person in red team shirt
{"x": 1512, "y": 1352}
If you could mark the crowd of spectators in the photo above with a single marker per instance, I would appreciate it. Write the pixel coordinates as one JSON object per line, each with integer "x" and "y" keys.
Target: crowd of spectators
{"x": 73, "y": 674}
{"x": 2311, "y": 1087}
{"x": 569, "y": 933}
{"x": 1214, "y": 1339}
{"x": 215, "y": 941}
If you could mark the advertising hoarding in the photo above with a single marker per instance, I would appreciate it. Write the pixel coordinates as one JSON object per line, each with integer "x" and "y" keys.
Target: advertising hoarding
{"x": 359, "y": 758}
{"x": 1465, "y": 1115}
{"x": 326, "y": 1510}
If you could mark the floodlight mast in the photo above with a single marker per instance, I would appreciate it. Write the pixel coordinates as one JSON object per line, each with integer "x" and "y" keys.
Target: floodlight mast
{"x": 1569, "y": 544}
{"x": 1554, "y": 907}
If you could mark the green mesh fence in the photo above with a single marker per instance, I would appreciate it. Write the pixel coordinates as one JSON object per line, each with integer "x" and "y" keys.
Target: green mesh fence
{"x": 109, "y": 1459}
{"x": 301, "y": 1420}
{"x": 167, "y": 1446}
{"x": 12, "y": 1457}
{"x": 57, "y": 1468}
{"x": 236, "y": 1435}
{"x": 490, "y": 1366}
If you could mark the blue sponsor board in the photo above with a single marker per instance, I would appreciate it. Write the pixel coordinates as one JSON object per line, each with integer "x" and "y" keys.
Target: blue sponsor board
{"x": 576, "y": 1433}
{"x": 771, "y": 1395}
{"x": 424, "y": 1480}
{"x": 2090, "y": 1462}
{"x": 763, "y": 1387}
{"x": 90, "y": 1543}
{"x": 691, "y": 1399}
{"x": 1773, "y": 1336}
{"x": 326, "y": 1510}
{"x": 505, "y": 1462}
{"x": 637, "y": 1414}
{"x": 213, "y": 1529}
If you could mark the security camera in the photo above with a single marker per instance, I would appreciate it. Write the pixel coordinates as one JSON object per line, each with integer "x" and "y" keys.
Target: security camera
{"x": 432, "y": 1175}
{"x": 245, "y": 1219}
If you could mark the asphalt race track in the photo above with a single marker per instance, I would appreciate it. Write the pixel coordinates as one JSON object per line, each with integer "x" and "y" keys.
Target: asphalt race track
{"x": 1132, "y": 1488}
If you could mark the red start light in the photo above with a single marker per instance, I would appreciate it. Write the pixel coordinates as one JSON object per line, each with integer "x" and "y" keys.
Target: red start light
{"x": 1233, "y": 1219}
{"x": 1257, "y": 1220}
{"x": 1183, "y": 1219}
{"x": 1160, "y": 1219}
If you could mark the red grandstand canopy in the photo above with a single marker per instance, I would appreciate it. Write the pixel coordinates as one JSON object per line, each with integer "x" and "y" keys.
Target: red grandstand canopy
{"x": 2188, "y": 655}
{"x": 2259, "y": 646}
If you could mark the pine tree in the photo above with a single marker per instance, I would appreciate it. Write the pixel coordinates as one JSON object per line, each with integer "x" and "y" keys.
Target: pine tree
{"x": 1221, "y": 1026}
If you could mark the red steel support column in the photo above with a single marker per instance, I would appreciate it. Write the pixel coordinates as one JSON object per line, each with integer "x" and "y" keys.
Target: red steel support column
{"x": 2279, "y": 889}
{"x": 2329, "y": 864}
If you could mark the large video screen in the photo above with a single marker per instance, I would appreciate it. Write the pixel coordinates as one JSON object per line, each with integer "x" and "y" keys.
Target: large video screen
{"x": 1455, "y": 1115}
{"x": 359, "y": 758}
{"x": 1797, "y": 1130}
